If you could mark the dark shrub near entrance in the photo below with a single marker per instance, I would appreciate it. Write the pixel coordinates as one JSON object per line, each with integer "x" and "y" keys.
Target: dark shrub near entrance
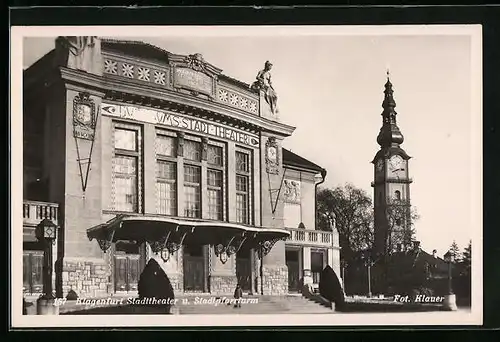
{"x": 154, "y": 283}
{"x": 330, "y": 287}
{"x": 71, "y": 295}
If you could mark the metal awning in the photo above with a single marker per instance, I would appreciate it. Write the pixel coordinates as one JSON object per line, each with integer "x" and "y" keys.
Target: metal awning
{"x": 165, "y": 233}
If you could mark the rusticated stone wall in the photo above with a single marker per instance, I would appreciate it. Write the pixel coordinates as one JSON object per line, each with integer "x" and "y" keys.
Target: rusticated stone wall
{"x": 86, "y": 278}
{"x": 223, "y": 284}
{"x": 177, "y": 282}
{"x": 275, "y": 280}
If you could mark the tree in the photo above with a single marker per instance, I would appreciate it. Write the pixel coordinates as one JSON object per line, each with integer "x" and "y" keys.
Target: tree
{"x": 351, "y": 210}
{"x": 466, "y": 260}
{"x": 401, "y": 218}
{"x": 456, "y": 251}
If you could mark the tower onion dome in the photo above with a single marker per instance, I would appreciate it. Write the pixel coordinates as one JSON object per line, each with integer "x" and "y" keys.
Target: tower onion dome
{"x": 389, "y": 135}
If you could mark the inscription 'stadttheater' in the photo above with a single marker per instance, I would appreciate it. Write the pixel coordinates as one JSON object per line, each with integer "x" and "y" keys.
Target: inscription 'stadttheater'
{"x": 178, "y": 121}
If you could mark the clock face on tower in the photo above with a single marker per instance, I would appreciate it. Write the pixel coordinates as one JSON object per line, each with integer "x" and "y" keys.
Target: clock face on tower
{"x": 396, "y": 163}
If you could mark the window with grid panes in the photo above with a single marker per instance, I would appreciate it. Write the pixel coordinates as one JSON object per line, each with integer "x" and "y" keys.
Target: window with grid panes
{"x": 242, "y": 187}
{"x": 192, "y": 178}
{"x": 166, "y": 175}
{"x": 192, "y": 150}
{"x": 192, "y": 191}
{"x": 126, "y": 161}
{"x": 215, "y": 182}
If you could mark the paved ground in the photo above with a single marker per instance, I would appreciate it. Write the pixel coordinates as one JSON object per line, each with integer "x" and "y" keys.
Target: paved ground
{"x": 200, "y": 304}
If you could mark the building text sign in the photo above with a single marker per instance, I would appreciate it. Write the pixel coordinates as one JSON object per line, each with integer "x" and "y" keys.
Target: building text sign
{"x": 184, "y": 122}
{"x": 194, "y": 80}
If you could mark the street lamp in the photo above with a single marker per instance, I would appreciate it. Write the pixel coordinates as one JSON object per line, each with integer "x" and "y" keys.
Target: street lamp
{"x": 343, "y": 266}
{"x": 46, "y": 233}
{"x": 369, "y": 263}
{"x": 449, "y": 302}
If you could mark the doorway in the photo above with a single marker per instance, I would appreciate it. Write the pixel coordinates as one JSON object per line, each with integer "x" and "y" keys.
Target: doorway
{"x": 317, "y": 265}
{"x": 194, "y": 268}
{"x": 292, "y": 262}
{"x": 126, "y": 267}
{"x": 244, "y": 269}
{"x": 32, "y": 272}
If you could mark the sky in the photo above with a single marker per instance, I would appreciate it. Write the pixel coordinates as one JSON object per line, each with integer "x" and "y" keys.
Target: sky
{"x": 330, "y": 87}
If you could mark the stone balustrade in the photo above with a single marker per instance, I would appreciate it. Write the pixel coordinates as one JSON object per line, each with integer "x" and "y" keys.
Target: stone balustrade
{"x": 315, "y": 238}
{"x": 34, "y": 212}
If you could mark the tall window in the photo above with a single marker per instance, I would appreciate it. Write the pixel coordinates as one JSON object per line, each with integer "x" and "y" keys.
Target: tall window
{"x": 126, "y": 168}
{"x": 166, "y": 175}
{"x": 243, "y": 187}
{"x": 192, "y": 179}
{"x": 215, "y": 180}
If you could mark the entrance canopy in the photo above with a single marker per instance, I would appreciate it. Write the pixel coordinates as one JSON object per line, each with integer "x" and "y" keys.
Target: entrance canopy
{"x": 163, "y": 233}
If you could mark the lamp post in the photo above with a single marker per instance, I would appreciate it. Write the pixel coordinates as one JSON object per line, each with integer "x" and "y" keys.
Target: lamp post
{"x": 46, "y": 233}
{"x": 369, "y": 263}
{"x": 343, "y": 265}
{"x": 449, "y": 302}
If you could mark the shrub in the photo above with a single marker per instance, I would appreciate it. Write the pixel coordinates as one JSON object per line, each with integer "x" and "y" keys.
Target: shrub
{"x": 330, "y": 287}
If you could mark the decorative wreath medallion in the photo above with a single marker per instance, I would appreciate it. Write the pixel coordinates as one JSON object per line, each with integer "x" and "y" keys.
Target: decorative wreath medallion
{"x": 272, "y": 156}
{"x": 84, "y": 116}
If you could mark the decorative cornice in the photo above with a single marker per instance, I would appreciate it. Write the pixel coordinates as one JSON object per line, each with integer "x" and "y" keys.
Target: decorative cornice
{"x": 387, "y": 152}
{"x": 299, "y": 168}
{"x": 99, "y": 83}
{"x": 392, "y": 180}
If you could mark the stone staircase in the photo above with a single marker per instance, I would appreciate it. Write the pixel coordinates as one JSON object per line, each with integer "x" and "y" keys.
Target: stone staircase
{"x": 290, "y": 304}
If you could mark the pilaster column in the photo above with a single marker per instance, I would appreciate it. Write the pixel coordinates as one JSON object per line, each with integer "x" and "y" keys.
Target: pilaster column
{"x": 180, "y": 174}
{"x": 253, "y": 273}
{"x": 306, "y": 262}
{"x": 149, "y": 157}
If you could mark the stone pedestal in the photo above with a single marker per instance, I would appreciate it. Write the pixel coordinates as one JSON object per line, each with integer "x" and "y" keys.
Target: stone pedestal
{"x": 449, "y": 302}
{"x": 223, "y": 284}
{"x": 306, "y": 264}
{"x": 275, "y": 280}
{"x": 265, "y": 108}
{"x": 307, "y": 277}
{"x": 47, "y": 306}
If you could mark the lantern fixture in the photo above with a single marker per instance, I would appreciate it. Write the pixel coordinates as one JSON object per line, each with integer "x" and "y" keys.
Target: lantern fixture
{"x": 46, "y": 230}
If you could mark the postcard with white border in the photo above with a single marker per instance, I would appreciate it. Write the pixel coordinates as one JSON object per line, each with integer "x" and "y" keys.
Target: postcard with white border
{"x": 246, "y": 176}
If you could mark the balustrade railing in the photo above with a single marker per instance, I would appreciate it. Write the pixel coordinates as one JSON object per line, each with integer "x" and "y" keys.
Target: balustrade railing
{"x": 312, "y": 237}
{"x": 34, "y": 212}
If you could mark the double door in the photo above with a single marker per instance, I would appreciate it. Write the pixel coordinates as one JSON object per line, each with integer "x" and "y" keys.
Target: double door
{"x": 292, "y": 263}
{"x": 127, "y": 272}
{"x": 244, "y": 270}
{"x": 32, "y": 272}
{"x": 195, "y": 268}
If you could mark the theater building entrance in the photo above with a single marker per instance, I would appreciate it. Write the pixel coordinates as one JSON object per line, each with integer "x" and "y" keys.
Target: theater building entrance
{"x": 127, "y": 267}
{"x": 244, "y": 269}
{"x": 292, "y": 257}
{"x": 195, "y": 268}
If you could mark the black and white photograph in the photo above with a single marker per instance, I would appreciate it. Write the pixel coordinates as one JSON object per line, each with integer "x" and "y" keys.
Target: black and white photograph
{"x": 246, "y": 176}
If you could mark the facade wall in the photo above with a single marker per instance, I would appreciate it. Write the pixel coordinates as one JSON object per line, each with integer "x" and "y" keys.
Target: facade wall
{"x": 301, "y": 211}
{"x": 81, "y": 265}
{"x": 84, "y": 267}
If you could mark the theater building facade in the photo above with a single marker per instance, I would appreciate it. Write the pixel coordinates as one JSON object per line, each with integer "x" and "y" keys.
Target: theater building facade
{"x": 137, "y": 153}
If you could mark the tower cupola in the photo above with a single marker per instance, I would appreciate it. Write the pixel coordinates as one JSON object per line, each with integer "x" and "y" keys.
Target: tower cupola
{"x": 390, "y": 135}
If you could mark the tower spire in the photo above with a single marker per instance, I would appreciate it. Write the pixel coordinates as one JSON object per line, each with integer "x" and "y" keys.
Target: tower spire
{"x": 389, "y": 135}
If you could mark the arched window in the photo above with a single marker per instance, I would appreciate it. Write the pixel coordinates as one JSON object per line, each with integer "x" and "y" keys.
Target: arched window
{"x": 397, "y": 194}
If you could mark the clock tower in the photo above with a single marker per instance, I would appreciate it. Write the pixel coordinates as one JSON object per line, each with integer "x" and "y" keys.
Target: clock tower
{"x": 391, "y": 183}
